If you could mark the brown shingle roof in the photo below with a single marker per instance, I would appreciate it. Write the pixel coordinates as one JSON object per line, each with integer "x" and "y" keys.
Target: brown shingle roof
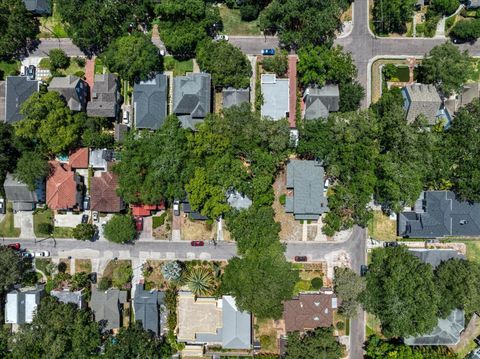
{"x": 103, "y": 193}
{"x": 308, "y": 311}
{"x": 61, "y": 187}
{"x": 78, "y": 158}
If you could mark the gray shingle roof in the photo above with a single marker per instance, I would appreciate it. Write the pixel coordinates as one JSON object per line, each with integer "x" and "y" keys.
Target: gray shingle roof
{"x": 18, "y": 191}
{"x": 192, "y": 98}
{"x": 319, "y": 102}
{"x": 442, "y": 215}
{"x": 235, "y": 97}
{"x": 73, "y": 89}
{"x": 105, "y": 96}
{"x": 435, "y": 256}
{"x": 447, "y": 331}
{"x": 146, "y": 307}
{"x": 150, "y": 102}
{"x": 306, "y": 178}
{"x": 121, "y": 131}
{"x": 2, "y": 101}
{"x": 106, "y": 306}
{"x": 276, "y": 97}
{"x": 17, "y": 90}
{"x": 421, "y": 99}
{"x": 39, "y": 7}
{"x": 66, "y": 296}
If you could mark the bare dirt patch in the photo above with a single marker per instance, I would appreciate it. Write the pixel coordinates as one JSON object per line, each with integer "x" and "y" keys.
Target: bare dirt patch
{"x": 83, "y": 265}
{"x": 196, "y": 230}
{"x": 153, "y": 275}
{"x": 291, "y": 230}
{"x": 268, "y": 332}
{"x": 382, "y": 227}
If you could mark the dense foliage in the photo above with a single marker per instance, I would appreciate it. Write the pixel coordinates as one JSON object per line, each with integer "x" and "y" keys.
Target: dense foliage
{"x": 120, "y": 229}
{"x": 31, "y": 167}
{"x": 58, "y": 59}
{"x": 12, "y": 268}
{"x": 348, "y": 286}
{"x": 84, "y": 231}
{"x": 392, "y": 15}
{"x": 8, "y": 151}
{"x": 468, "y": 30}
{"x": 314, "y": 344}
{"x": 444, "y": 7}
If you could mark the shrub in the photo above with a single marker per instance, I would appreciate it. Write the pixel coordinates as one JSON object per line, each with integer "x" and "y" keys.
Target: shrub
{"x": 104, "y": 283}
{"x": 317, "y": 283}
{"x": 80, "y": 61}
{"x": 172, "y": 271}
{"x": 340, "y": 325}
{"x": 267, "y": 341}
{"x": 159, "y": 221}
{"x": 200, "y": 281}
{"x": 84, "y": 231}
{"x": 249, "y": 12}
{"x": 80, "y": 74}
{"x": 122, "y": 274}
{"x": 389, "y": 71}
{"x": 58, "y": 59}
{"x": 45, "y": 228}
{"x": 466, "y": 29}
{"x": 450, "y": 22}
{"x": 62, "y": 267}
{"x": 277, "y": 63}
{"x": 282, "y": 199}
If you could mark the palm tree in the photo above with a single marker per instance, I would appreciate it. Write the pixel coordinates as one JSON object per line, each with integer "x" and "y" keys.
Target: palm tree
{"x": 200, "y": 281}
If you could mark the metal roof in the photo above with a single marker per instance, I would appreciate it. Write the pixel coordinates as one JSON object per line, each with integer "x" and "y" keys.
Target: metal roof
{"x": 276, "y": 96}
{"x": 150, "y": 102}
{"x": 22, "y": 303}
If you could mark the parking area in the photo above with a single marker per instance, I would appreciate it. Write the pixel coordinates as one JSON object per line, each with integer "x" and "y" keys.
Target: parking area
{"x": 69, "y": 219}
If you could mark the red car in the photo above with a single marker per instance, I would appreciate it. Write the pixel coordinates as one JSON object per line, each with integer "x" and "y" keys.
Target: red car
{"x": 139, "y": 224}
{"x": 15, "y": 246}
{"x": 197, "y": 243}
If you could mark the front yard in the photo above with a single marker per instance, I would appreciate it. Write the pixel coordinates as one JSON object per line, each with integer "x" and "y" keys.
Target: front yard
{"x": 83, "y": 265}
{"x": 197, "y": 230}
{"x": 233, "y": 24}
{"x": 179, "y": 68}
{"x": 52, "y": 26}
{"x": 7, "y": 228}
{"x": 44, "y": 217}
{"x": 118, "y": 273}
{"x": 381, "y": 227}
{"x": 9, "y": 68}
{"x": 73, "y": 69}
{"x": 311, "y": 277}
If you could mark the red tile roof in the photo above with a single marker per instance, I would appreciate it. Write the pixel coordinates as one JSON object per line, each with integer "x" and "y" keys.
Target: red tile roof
{"x": 103, "y": 193}
{"x": 78, "y": 158}
{"x": 143, "y": 210}
{"x": 61, "y": 187}
{"x": 308, "y": 311}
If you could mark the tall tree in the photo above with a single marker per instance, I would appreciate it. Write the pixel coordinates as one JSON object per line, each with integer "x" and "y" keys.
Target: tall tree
{"x": 348, "y": 286}
{"x": 467, "y": 29}
{"x": 445, "y": 7}
{"x": 133, "y": 57}
{"x": 401, "y": 292}
{"x": 120, "y": 229}
{"x": 319, "y": 343}
{"x": 18, "y": 28}
{"x": 8, "y": 151}
{"x": 31, "y": 167}
{"x": 392, "y": 15}
{"x": 12, "y": 267}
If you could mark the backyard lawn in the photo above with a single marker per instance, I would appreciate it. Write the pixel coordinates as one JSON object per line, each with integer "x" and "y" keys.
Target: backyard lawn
{"x": 381, "y": 227}
{"x": 73, "y": 69}
{"x": 267, "y": 334}
{"x": 6, "y": 225}
{"x": 233, "y": 24}
{"x": 178, "y": 67}
{"x": 52, "y": 26}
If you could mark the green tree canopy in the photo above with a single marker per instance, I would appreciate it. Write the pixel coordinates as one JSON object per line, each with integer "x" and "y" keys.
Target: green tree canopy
{"x": 31, "y": 167}
{"x": 348, "y": 286}
{"x": 84, "y": 231}
{"x": 445, "y": 67}
{"x": 133, "y": 57}
{"x": 392, "y": 15}
{"x": 12, "y": 267}
{"x": 303, "y": 22}
{"x": 58, "y": 59}
{"x": 8, "y": 151}
{"x": 226, "y": 63}
{"x": 277, "y": 63}
{"x": 314, "y": 344}
{"x": 445, "y": 7}
{"x": 466, "y": 29}
{"x": 19, "y": 27}
{"x": 120, "y": 229}
{"x": 401, "y": 292}
{"x": 351, "y": 96}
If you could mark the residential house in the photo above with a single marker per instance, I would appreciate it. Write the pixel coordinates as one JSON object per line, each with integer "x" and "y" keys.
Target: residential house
{"x": 105, "y": 96}
{"x": 468, "y": 93}
{"x": 439, "y": 214}
{"x": 235, "y": 97}
{"x": 150, "y": 102}
{"x": 38, "y": 7}
{"x": 192, "y": 98}
{"x": 305, "y": 182}
{"x": 309, "y": 311}
{"x": 107, "y": 306}
{"x": 213, "y": 321}
{"x": 121, "y": 131}
{"x": 78, "y": 158}
{"x": 68, "y": 297}
{"x": 145, "y": 210}
{"x": 435, "y": 256}
{"x": 420, "y": 99}
{"x": 99, "y": 159}
{"x": 21, "y": 304}
{"x": 237, "y": 200}
{"x": 146, "y": 305}
{"x": 195, "y": 215}
{"x": 64, "y": 187}
{"x": 103, "y": 193}
{"x": 22, "y": 197}
{"x": 276, "y": 97}
{"x": 73, "y": 90}
{"x": 17, "y": 90}
{"x": 473, "y": 4}
{"x": 319, "y": 102}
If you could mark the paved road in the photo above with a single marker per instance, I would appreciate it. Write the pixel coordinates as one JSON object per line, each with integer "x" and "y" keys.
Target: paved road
{"x": 45, "y": 45}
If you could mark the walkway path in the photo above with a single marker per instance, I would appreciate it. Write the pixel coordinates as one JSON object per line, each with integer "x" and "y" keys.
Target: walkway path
{"x": 90, "y": 72}
{"x": 292, "y": 75}
{"x": 440, "y": 31}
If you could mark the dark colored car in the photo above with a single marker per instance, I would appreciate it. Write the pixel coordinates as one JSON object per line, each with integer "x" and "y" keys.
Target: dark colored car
{"x": 301, "y": 258}
{"x": 31, "y": 72}
{"x": 93, "y": 277}
{"x": 2, "y": 206}
{"x": 85, "y": 218}
{"x": 268, "y": 52}
{"x": 197, "y": 243}
{"x": 390, "y": 244}
{"x": 363, "y": 270}
{"x": 139, "y": 224}
{"x": 15, "y": 246}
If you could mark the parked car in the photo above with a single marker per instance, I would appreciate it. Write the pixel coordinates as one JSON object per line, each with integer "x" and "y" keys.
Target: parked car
{"x": 301, "y": 258}
{"x": 27, "y": 254}
{"x": 85, "y": 218}
{"x": 125, "y": 117}
{"x": 15, "y": 246}
{"x": 268, "y": 52}
{"x": 220, "y": 38}
{"x": 432, "y": 241}
{"x": 95, "y": 216}
{"x": 42, "y": 254}
{"x": 139, "y": 224}
{"x": 2, "y": 206}
{"x": 391, "y": 244}
{"x": 31, "y": 72}
{"x": 363, "y": 270}
{"x": 176, "y": 208}
{"x": 162, "y": 52}
{"x": 197, "y": 243}
{"x": 86, "y": 203}
{"x": 93, "y": 277}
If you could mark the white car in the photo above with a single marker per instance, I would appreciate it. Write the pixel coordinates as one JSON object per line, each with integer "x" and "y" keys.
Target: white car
{"x": 125, "y": 117}
{"x": 176, "y": 208}
{"x": 221, "y": 37}
{"x": 42, "y": 254}
{"x": 95, "y": 216}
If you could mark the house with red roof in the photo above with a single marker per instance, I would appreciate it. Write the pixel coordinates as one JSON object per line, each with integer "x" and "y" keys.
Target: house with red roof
{"x": 78, "y": 158}
{"x": 64, "y": 187}
{"x": 144, "y": 210}
{"x": 103, "y": 193}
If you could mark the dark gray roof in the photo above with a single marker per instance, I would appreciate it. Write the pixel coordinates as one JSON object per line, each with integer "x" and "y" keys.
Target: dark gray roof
{"x": 435, "y": 256}
{"x": 421, "y": 99}
{"x": 39, "y": 7}
{"x": 22, "y": 303}
{"x": 66, "y": 296}
{"x": 192, "y": 214}
{"x": 73, "y": 89}
{"x": 276, "y": 97}
{"x": 17, "y": 90}
{"x": 146, "y": 307}
{"x": 18, "y": 191}
{"x": 473, "y": 4}
{"x": 121, "y": 131}
{"x": 192, "y": 98}
{"x": 106, "y": 306}
{"x": 447, "y": 331}
{"x": 235, "y": 97}
{"x": 441, "y": 214}
{"x": 150, "y": 102}
{"x": 306, "y": 178}
{"x": 105, "y": 96}
{"x": 2, "y": 101}
{"x": 319, "y": 102}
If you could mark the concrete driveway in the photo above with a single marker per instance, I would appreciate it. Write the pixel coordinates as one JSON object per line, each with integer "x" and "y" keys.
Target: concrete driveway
{"x": 24, "y": 221}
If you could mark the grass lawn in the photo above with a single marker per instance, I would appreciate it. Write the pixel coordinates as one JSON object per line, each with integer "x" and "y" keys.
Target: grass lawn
{"x": 6, "y": 225}
{"x": 117, "y": 268}
{"x": 63, "y": 232}
{"x": 373, "y": 325}
{"x": 267, "y": 334}
{"x": 475, "y": 74}
{"x": 381, "y": 227}
{"x": 52, "y": 26}
{"x": 9, "y": 68}
{"x": 98, "y": 66}
{"x": 233, "y": 24}
{"x": 473, "y": 250}
{"x": 83, "y": 265}
{"x": 41, "y": 264}
{"x": 39, "y": 217}
{"x": 70, "y": 70}
{"x": 178, "y": 67}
